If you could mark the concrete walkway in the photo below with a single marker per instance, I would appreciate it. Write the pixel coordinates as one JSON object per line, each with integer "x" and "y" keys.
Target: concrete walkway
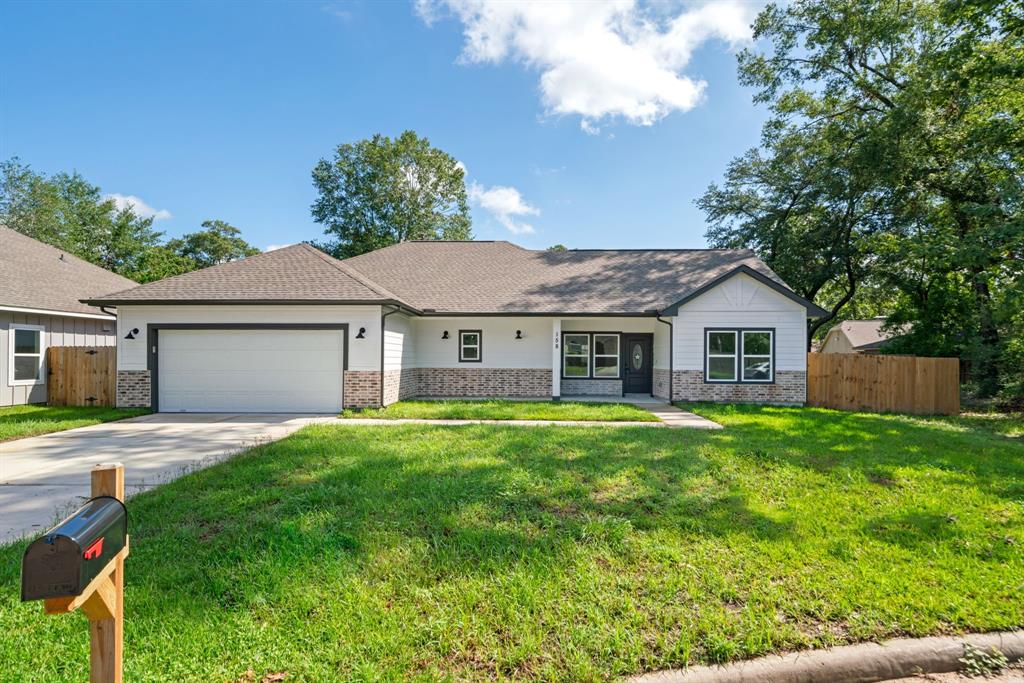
{"x": 42, "y": 478}
{"x": 510, "y": 423}
{"x": 677, "y": 418}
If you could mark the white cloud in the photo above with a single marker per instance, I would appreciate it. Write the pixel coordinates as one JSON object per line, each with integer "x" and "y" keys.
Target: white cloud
{"x": 141, "y": 208}
{"x": 506, "y": 205}
{"x": 604, "y": 59}
{"x": 272, "y": 247}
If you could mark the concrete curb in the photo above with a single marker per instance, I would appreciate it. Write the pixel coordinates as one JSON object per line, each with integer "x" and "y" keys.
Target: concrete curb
{"x": 862, "y": 663}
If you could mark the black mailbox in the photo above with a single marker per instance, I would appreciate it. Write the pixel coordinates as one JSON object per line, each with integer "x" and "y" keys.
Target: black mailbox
{"x": 70, "y": 555}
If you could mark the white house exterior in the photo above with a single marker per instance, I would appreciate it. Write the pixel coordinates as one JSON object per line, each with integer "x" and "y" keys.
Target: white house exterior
{"x": 297, "y": 331}
{"x": 40, "y": 288}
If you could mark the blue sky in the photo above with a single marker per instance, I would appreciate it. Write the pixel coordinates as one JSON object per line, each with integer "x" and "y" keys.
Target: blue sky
{"x": 207, "y": 110}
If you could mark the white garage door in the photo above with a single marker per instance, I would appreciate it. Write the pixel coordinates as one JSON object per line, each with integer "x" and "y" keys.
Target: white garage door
{"x": 252, "y": 371}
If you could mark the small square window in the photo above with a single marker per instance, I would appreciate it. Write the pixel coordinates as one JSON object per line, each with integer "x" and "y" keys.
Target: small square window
{"x": 470, "y": 346}
{"x": 26, "y": 352}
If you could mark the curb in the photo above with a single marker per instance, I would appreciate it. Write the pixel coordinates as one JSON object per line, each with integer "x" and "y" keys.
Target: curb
{"x": 863, "y": 663}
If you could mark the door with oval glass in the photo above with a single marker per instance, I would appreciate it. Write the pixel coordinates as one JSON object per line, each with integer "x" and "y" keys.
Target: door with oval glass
{"x": 639, "y": 363}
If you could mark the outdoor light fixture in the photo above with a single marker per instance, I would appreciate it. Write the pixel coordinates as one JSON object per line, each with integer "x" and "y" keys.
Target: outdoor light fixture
{"x": 131, "y": 335}
{"x": 362, "y": 333}
{"x": 444, "y": 335}
{"x": 519, "y": 334}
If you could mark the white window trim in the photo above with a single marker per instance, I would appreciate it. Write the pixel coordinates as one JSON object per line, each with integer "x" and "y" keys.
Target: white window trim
{"x": 566, "y": 354}
{"x": 770, "y": 356}
{"x": 734, "y": 356}
{"x": 616, "y": 356}
{"x": 11, "y": 356}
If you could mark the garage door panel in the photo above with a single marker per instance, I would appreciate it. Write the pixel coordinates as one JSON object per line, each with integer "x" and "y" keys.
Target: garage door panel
{"x": 250, "y": 370}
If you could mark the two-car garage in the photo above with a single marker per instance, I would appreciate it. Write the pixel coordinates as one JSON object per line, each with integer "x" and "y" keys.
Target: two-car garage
{"x": 255, "y": 368}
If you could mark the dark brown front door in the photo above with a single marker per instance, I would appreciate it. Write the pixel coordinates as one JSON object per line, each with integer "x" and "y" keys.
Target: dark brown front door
{"x": 639, "y": 363}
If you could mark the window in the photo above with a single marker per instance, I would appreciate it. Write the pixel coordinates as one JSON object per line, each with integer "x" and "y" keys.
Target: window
{"x": 721, "y": 357}
{"x": 470, "y": 346}
{"x": 740, "y": 356}
{"x": 606, "y": 355}
{"x": 576, "y": 355}
{"x": 27, "y": 353}
{"x": 757, "y": 356}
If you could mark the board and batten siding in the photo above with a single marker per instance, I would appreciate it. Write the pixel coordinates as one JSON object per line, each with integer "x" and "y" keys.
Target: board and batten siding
{"x": 363, "y": 354}
{"x": 58, "y": 331}
{"x": 501, "y": 349}
{"x": 741, "y": 302}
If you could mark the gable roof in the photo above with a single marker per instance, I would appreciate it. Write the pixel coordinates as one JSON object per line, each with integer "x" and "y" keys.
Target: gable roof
{"x": 464, "y": 278}
{"x": 866, "y": 334}
{"x": 296, "y": 274}
{"x": 502, "y": 278}
{"x": 38, "y": 276}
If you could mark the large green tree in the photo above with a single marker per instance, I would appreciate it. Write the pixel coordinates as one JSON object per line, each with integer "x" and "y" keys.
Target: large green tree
{"x": 919, "y": 104}
{"x": 382, "y": 191}
{"x": 218, "y": 242}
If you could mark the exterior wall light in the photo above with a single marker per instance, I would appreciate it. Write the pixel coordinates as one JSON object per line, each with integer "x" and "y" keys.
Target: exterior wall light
{"x": 444, "y": 335}
{"x": 519, "y": 334}
{"x": 362, "y": 333}
{"x": 131, "y": 335}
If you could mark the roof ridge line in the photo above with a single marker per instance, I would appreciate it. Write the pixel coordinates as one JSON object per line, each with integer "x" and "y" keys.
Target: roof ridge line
{"x": 353, "y": 273}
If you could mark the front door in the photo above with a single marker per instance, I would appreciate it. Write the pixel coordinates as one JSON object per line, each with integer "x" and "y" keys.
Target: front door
{"x": 639, "y": 363}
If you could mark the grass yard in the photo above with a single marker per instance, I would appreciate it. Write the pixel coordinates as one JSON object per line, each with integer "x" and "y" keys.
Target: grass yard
{"x": 17, "y": 422}
{"x": 492, "y": 552}
{"x": 507, "y": 410}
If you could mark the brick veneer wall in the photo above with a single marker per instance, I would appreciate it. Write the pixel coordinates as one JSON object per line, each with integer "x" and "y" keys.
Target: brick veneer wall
{"x": 362, "y": 389}
{"x": 661, "y": 376}
{"x": 400, "y": 384}
{"x": 790, "y": 387}
{"x": 591, "y": 387}
{"x": 512, "y": 382}
{"x": 133, "y": 389}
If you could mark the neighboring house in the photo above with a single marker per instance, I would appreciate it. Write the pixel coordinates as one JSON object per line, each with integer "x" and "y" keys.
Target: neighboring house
{"x": 40, "y": 292}
{"x": 296, "y": 330}
{"x": 857, "y": 336}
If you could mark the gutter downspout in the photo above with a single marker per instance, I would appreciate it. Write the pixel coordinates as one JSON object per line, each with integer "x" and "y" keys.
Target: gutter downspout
{"x": 382, "y": 317}
{"x": 104, "y": 309}
{"x": 671, "y": 359}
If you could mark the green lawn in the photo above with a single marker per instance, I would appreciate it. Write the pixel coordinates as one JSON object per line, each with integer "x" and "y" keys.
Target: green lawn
{"x": 507, "y": 410}
{"x": 492, "y": 552}
{"x": 18, "y": 422}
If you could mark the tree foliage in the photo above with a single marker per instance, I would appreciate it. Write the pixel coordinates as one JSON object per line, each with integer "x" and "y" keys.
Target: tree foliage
{"x": 68, "y": 212}
{"x": 892, "y": 167}
{"x": 382, "y": 191}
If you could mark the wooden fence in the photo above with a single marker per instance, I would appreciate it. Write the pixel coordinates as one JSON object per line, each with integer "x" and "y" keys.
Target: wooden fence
{"x": 81, "y": 375}
{"x": 903, "y": 384}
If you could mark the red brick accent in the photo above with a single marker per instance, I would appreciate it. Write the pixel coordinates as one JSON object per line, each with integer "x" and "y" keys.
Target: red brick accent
{"x": 790, "y": 388}
{"x": 591, "y": 387}
{"x": 133, "y": 389}
{"x": 661, "y": 377}
{"x": 399, "y": 385}
{"x": 479, "y": 382}
{"x": 362, "y": 389}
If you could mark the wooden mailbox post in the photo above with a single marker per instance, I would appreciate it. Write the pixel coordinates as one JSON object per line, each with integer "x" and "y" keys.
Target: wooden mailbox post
{"x": 102, "y": 599}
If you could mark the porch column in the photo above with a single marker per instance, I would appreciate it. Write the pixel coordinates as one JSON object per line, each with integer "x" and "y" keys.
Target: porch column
{"x": 556, "y": 358}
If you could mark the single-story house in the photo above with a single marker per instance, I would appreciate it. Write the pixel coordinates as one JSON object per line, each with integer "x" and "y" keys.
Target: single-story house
{"x": 858, "y": 336}
{"x": 295, "y": 330}
{"x": 40, "y": 292}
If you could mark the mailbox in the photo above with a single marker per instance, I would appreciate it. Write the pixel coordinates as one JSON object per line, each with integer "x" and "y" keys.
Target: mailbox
{"x": 63, "y": 561}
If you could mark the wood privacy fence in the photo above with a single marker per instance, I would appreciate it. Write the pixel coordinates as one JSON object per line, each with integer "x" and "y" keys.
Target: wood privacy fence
{"x": 81, "y": 375}
{"x": 881, "y": 384}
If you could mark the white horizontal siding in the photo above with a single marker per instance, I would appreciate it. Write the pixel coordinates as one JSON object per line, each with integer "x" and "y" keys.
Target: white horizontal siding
{"x": 741, "y": 301}
{"x": 363, "y": 354}
{"x": 399, "y": 347}
{"x": 500, "y": 347}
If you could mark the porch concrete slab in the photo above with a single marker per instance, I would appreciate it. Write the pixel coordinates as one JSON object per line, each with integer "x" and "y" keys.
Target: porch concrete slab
{"x": 679, "y": 419}
{"x": 42, "y": 478}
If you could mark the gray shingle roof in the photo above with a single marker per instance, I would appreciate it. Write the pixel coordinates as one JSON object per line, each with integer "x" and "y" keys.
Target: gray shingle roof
{"x": 463, "y": 277}
{"x": 299, "y": 273}
{"x": 36, "y": 275}
{"x": 500, "y": 277}
{"x": 868, "y": 334}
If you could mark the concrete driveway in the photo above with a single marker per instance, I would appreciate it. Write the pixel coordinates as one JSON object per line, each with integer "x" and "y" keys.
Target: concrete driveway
{"x": 42, "y": 478}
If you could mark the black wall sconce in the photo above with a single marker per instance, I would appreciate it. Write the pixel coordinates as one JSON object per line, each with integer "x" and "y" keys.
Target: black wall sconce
{"x": 131, "y": 335}
{"x": 519, "y": 334}
{"x": 444, "y": 335}
{"x": 362, "y": 333}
